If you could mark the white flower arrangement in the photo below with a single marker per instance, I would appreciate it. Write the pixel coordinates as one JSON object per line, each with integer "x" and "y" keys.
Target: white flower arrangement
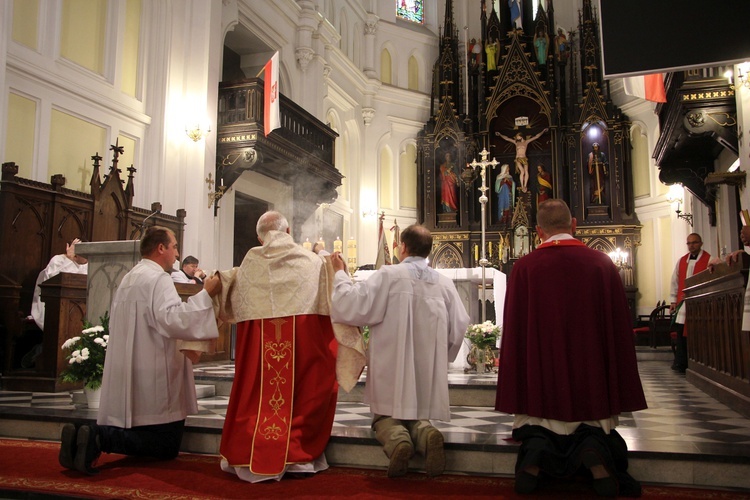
{"x": 484, "y": 335}
{"x": 86, "y": 360}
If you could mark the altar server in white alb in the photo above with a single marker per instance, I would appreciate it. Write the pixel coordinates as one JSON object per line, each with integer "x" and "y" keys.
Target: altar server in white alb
{"x": 148, "y": 387}
{"x": 417, "y": 324}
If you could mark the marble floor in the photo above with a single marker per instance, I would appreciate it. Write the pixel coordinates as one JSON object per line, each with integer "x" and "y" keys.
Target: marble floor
{"x": 679, "y": 418}
{"x": 681, "y": 423}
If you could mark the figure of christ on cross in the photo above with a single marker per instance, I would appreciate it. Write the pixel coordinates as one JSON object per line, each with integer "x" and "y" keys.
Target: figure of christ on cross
{"x": 521, "y": 161}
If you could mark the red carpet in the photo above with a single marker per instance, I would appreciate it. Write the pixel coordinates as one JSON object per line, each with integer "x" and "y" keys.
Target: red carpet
{"x": 31, "y": 466}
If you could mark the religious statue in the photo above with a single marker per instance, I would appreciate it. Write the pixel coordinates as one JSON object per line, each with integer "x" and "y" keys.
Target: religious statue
{"x": 598, "y": 171}
{"x": 543, "y": 184}
{"x": 515, "y": 13}
{"x": 448, "y": 185}
{"x": 541, "y": 42}
{"x": 522, "y": 163}
{"x": 504, "y": 187}
{"x": 493, "y": 52}
{"x": 562, "y": 48}
{"x": 475, "y": 52}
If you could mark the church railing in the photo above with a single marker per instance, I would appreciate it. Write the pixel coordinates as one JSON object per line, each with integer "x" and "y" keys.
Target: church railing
{"x": 718, "y": 349}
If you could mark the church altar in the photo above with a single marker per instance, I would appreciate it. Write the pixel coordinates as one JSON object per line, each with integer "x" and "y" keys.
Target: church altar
{"x": 468, "y": 283}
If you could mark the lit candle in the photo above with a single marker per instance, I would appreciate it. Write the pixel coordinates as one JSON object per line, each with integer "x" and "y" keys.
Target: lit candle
{"x": 321, "y": 243}
{"x": 338, "y": 245}
{"x": 307, "y": 244}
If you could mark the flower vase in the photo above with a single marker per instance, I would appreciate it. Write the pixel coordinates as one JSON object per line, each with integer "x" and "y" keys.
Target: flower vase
{"x": 92, "y": 397}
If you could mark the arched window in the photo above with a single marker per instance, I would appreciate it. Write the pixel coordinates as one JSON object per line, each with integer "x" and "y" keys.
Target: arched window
{"x": 413, "y": 73}
{"x": 385, "y": 67}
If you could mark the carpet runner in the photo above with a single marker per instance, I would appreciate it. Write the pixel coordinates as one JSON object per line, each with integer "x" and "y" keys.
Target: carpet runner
{"x": 32, "y": 467}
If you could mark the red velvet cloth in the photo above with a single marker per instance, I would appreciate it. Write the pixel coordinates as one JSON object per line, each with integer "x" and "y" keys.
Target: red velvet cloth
{"x": 567, "y": 349}
{"x": 313, "y": 388}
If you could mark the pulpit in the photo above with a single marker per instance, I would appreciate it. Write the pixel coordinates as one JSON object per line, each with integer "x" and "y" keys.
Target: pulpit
{"x": 718, "y": 349}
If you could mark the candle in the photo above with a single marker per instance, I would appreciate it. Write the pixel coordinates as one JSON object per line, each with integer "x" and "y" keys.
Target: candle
{"x": 351, "y": 255}
{"x": 321, "y": 243}
{"x": 476, "y": 252}
{"x": 307, "y": 244}
{"x": 490, "y": 245}
{"x": 338, "y": 245}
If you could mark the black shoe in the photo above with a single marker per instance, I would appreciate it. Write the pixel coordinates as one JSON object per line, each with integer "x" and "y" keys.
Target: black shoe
{"x": 604, "y": 486}
{"x": 526, "y": 483}
{"x": 88, "y": 449}
{"x": 67, "y": 446}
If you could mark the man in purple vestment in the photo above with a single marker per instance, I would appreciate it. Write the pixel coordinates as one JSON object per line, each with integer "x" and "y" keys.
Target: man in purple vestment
{"x": 567, "y": 360}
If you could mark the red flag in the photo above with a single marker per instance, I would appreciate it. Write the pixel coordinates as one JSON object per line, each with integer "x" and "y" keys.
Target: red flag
{"x": 649, "y": 87}
{"x": 384, "y": 256}
{"x": 271, "y": 114}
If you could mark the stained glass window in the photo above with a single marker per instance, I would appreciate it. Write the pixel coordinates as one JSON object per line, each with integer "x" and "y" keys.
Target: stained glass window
{"x": 411, "y": 10}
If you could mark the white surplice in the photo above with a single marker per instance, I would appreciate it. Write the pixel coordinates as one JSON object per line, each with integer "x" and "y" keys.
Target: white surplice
{"x": 147, "y": 380}
{"x": 417, "y": 324}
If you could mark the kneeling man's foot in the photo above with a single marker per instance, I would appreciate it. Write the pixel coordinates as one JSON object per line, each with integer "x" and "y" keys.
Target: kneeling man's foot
{"x": 434, "y": 453}
{"x": 527, "y": 480}
{"x": 604, "y": 483}
{"x": 88, "y": 449}
{"x": 67, "y": 446}
{"x": 399, "y": 464}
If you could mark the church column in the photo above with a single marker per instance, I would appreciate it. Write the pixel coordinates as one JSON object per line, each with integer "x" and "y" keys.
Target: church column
{"x": 371, "y": 28}
{"x": 308, "y": 23}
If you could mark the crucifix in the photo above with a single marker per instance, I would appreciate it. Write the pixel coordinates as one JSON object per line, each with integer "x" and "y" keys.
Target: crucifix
{"x": 482, "y": 167}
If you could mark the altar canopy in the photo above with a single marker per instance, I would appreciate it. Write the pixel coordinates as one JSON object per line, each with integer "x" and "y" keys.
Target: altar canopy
{"x": 468, "y": 283}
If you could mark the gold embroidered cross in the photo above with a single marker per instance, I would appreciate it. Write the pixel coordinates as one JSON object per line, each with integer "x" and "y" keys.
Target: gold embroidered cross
{"x": 278, "y": 323}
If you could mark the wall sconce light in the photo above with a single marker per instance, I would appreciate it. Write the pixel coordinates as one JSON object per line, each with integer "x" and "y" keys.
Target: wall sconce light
{"x": 742, "y": 74}
{"x": 676, "y": 194}
{"x": 369, "y": 213}
{"x": 215, "y": 196}
{"x": 197, "y": 132}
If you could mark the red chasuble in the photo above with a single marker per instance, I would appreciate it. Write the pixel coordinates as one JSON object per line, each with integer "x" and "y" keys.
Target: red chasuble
{"x": 567, "y": 349}
{"x": 283, "y": 398}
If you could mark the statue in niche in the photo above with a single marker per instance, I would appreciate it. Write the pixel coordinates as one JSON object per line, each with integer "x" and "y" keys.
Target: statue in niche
{"x": 598, "y": 172}
{"x": 493, "y": 53}
{"x": 562, "y": 48}
{"x": 515, "y": 13}
{"x": 448, "y": 184}
{"x": 541, "y": 43}
{"x": 504, "y": 187}
{"x": 543, "y": 184}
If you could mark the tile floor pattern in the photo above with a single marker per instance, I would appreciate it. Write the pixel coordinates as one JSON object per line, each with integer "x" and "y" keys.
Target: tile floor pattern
{"x": 680, "y": 418}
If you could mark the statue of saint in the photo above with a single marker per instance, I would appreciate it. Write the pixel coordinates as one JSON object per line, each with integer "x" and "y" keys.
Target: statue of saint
{"x": 448, "y": 185}
{"x": 598, "y": 171}
{"x": 504, "y": 187}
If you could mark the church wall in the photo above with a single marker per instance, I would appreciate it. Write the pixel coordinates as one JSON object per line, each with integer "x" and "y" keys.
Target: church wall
{"x": 19, "y": 142}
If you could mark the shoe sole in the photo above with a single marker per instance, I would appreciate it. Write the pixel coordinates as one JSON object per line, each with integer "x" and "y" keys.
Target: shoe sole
{"x": 435, "y": 454}
{"x": 399, "y": 463}
{"x": 605, "y": 486}
{"x": 84, "y": 436}
{"x": 67, "y": 446}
